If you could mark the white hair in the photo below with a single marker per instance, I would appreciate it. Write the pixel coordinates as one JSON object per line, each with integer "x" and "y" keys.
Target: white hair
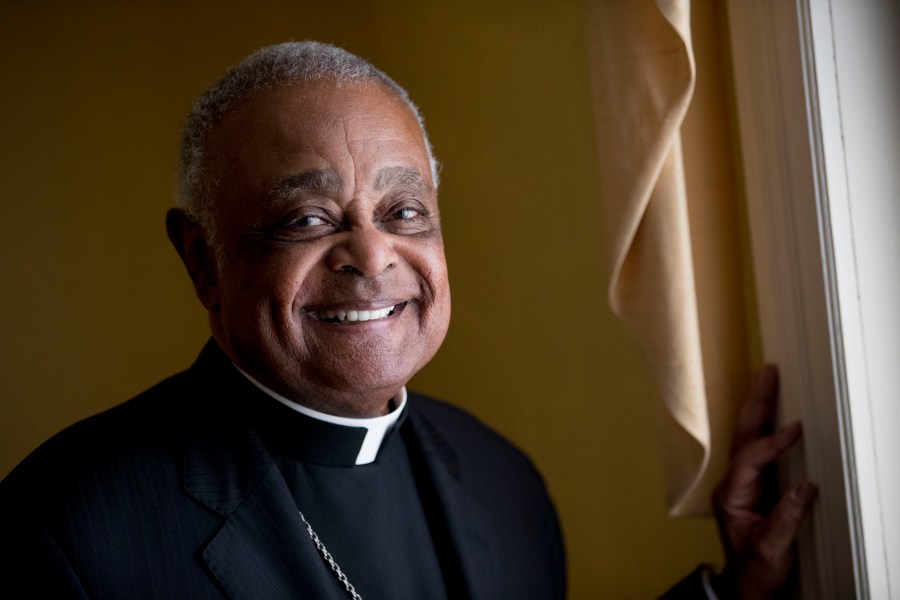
{"x": 271, "y": 67}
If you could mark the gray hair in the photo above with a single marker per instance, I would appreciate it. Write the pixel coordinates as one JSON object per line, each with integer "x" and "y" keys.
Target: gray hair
{"x": 268, "y": 68}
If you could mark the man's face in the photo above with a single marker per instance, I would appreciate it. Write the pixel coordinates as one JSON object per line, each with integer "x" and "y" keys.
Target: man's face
{"x": 334, "y": 289}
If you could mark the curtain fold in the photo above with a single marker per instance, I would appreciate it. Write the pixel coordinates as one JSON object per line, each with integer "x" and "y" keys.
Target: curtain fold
{"x": 643, "y": 81}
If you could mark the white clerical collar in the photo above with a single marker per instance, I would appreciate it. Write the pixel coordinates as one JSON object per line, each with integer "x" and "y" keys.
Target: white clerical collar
{"x": 377, "y": 427}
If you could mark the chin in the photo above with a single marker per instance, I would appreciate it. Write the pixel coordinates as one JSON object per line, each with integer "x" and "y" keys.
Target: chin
{"x": 369, "y": 380}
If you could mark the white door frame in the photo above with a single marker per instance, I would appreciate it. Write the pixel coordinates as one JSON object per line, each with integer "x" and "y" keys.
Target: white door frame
{"x": 823, "y": 205}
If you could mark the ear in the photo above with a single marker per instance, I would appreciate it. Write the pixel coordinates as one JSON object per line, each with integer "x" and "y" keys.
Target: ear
{"x": 187, "y": 235}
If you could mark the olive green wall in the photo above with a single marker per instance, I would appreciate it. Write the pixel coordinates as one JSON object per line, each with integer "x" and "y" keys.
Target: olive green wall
{"x": 94, "y": 305}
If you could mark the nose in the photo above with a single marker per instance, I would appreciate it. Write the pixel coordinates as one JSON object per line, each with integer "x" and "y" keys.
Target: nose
{"x": 364, "y": 249}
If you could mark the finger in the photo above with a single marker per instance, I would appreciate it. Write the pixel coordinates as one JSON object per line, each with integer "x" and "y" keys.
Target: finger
{"x": 758, "y": 412}
{"x": 740, "y": 489}
{"x": 790, "y": 512}
{"x": 759, "y": 453}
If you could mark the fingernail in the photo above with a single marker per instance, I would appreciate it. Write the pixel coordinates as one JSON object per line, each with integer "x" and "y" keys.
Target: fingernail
{"x": 804, "y": 493}
{"x": 790, "y": 432}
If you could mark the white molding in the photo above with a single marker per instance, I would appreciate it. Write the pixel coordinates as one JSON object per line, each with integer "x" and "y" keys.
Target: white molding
{"x": 852, "y": 51}
{"x": 788, "y": 208}
{"x": 841, "y": 284}
{"x": 819, "y": 115}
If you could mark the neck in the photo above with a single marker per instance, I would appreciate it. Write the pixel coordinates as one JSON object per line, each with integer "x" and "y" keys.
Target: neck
{"x": 352, "y": 407}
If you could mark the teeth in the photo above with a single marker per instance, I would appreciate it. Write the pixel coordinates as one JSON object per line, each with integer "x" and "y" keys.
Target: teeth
{"x": 353, "y": 316}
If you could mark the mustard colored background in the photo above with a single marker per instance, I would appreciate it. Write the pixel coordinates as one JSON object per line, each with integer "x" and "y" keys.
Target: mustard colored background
{"x": 95, "y": 306}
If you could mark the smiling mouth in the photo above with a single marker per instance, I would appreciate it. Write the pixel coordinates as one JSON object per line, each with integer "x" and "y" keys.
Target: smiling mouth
{"x": 346, "y": 317}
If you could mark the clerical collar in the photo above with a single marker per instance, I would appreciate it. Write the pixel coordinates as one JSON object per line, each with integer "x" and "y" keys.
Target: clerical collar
{"x": 377, "y": 428}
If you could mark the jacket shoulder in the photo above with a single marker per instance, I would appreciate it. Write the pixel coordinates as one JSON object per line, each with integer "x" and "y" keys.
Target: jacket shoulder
{"x": 151, "y": 415}
{"x": 476, "y": 453}
{"x": 451, "y": 420}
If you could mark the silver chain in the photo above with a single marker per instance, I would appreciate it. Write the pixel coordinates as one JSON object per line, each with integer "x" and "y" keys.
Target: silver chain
{"x": 330, "y": 559}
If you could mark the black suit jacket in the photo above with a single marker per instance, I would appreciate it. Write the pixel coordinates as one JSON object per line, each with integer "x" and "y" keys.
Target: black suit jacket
{"x": 173, "y": 495}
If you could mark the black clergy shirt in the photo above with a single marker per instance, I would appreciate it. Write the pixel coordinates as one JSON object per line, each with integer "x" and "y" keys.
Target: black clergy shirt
{"x": 371, "y": 517}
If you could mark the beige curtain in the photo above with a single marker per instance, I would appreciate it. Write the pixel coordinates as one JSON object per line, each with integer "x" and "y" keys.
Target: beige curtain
{"x": 643, "y": 78}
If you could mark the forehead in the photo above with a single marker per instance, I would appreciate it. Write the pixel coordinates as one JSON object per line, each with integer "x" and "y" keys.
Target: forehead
{"x": 318, "y": 118}
{"x": 357, "y": 132}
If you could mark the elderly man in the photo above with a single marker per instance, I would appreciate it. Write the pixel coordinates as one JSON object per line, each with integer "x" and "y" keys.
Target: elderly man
{"x": 290, "y": 461}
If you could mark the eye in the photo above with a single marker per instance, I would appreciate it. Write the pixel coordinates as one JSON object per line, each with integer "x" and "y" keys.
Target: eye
{"x": 308, "y": 221}
{"x": 408, "y": 218}
{"x": 406, "y": 213}
{"x": 306, "y": 224}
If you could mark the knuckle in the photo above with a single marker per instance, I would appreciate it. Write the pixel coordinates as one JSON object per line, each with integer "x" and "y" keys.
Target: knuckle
{"x": 768, "y": 553}
{"x": 721, "y": 495}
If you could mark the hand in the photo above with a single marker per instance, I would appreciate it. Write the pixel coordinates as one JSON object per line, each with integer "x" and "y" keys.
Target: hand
{"x": 758, "y": 528}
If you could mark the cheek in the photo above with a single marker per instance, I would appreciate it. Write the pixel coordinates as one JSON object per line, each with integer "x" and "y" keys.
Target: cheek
{"x": 276, "y": 282}
{"x": 429, "y": 262}
{"x": 434, "y": 271}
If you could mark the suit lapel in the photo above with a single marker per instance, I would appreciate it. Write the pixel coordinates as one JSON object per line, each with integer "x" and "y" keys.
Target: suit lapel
{"x": 262, "y": 549}
{"x": 461, "y": 527}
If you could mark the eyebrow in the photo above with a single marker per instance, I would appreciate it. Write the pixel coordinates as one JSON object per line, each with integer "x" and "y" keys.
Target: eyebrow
{"x": 328, "y": 180}
{"x": 316, "y": 180}
{"x": 400, "y": 177}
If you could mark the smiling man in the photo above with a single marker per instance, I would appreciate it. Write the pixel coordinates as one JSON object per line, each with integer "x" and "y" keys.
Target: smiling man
{"x": 330, "y": 284}
{"x": 290, "y": 461}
